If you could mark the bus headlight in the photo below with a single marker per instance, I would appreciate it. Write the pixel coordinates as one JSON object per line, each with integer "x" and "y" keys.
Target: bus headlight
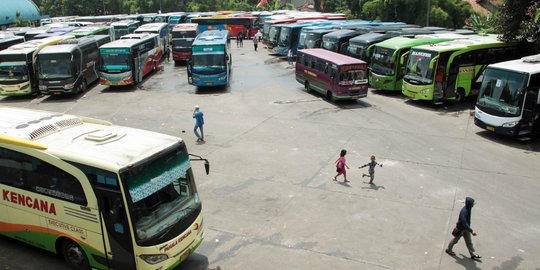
{"x": 222, "y": 78}
{"x": 69, "y": 86}
{"x": 153, "y": 259}
{"x": 425, "y": 91}
{"x": 42, "y": 87}
{"x": 510, "y": 124}
{"x": 196, "y": 78}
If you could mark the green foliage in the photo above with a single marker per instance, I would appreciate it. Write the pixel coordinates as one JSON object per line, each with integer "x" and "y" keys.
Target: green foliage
{"x": 517, "y": 20}
{"x": 20, "y": 22}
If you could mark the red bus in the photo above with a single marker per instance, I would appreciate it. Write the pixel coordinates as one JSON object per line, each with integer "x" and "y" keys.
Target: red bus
{"x": 332, "y": 74}
{"x": 183, "y": 36}
{"x": 235, "y": 25}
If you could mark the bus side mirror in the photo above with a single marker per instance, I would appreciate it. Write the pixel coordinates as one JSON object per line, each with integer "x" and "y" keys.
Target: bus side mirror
{"x": 432, "y": 62}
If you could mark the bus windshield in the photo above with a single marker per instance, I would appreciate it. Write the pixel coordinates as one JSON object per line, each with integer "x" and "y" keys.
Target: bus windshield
{"x": 209, "y": 61}
{"x": 313, "y": 40}
{"x": 183, "y": 34}
{"x": 499, "y": 90}
{"x": 353, "y": 77}
{"x": 116, "y": 61}
{"x": 162, "y": 194}
{"x": 418, "y": 67}
{"x": 273, "y": 34}
{"x": 331, "y": 45}
{"x": 382, "y": 61}
{"x": 182, "y": 43}
{"x": 120, "y": 31}
{"x": 13, "y": 72}
{"x": 54, "y": 66}
{"x": 284, "y": 37}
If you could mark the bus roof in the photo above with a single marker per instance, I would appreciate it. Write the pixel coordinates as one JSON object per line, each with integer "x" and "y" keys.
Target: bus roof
{"x": 59, "y": 48}
{"x": 151, "y": 27}
{"x": 529, "y": 64}
{"x": 405, "y": 42}
{"x": 137, "y": 36}
{"x": 371, "y": 37}
{"x": 211, "y": 37}
{"x": 342, "y": 33}
{"x": 74, "y": 138}
{"x": 32, "y": 45}
{"x": 127, "y": 43}
{"x": 185, "y": 27}
{"x": 336, "y": 58}
{"x": 470, "y": 42}
{"x": 124, "y": 23}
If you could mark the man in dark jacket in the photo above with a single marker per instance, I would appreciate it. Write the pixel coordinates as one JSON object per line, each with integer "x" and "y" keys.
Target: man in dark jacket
{"x": 464, "y": 229}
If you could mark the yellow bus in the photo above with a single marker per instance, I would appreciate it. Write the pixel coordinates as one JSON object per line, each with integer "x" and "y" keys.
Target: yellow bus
{"x": 103, "y": 196}
{"x": 17, "y": 66}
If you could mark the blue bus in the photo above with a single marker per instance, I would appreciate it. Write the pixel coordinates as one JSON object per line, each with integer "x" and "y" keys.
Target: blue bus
{"x": 210, "y": 62}
{"x": 289, "y": 36}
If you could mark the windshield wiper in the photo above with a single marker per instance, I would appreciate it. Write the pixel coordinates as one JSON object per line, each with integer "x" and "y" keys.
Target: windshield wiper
{"x": 166, "y": 231}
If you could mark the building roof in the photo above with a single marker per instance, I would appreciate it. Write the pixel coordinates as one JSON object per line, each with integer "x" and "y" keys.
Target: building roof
{"x": 27, "y": 9}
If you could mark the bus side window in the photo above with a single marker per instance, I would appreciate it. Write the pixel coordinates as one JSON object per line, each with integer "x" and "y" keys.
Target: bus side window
{"x": 534, "y": 81}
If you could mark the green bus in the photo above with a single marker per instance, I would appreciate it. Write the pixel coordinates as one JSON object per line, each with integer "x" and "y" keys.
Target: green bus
{"x": 390, "y": 56}
{"x": 91, "y": 30}
{"x": 452, "y": 70}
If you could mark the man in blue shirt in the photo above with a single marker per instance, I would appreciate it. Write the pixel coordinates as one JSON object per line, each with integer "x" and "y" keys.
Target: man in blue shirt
{"x": 199, "y": 122}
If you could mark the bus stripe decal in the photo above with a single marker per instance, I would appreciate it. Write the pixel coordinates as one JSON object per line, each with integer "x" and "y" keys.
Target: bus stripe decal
{"x": 82, "y": 213}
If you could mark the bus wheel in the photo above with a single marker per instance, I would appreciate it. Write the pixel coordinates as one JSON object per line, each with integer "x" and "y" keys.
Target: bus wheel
{"x": 74, "y": 255}
{"x": 460, "y": 96}
{"x": 84, "y": 86}
{"x": 306, "y": 85}
{"x": 330, "y": 96}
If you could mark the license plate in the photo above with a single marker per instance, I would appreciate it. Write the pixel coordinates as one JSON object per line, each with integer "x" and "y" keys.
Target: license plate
{"x": 490, "y": 128}
{"x": 355, "y": 97}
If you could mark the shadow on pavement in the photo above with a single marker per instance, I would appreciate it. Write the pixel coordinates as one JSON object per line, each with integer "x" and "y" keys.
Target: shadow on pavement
{"x": 532, "y": 145}
{"x": 373, "y": 186}
{"x": 196, "y": 261}
{"x": 467, "y": 262}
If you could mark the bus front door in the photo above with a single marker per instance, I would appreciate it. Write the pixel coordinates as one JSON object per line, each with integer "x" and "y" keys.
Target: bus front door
{"x": 118, "y": 230}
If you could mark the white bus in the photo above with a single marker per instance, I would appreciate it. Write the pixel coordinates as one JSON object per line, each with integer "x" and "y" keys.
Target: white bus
{"x": 101, "y": 195}
{"x": 509, "y": 100}
{"x": 162, "y": 29}
{"x": 124, "y": 27}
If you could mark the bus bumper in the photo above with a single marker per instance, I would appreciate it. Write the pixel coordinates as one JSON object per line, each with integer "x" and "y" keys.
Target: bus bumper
{"x": 180, "y": 56}
{"x": 16, "y": 90}
{"x": 382, "y": 82}
{"x": 417, "y": 92}
{"x": 494, "y": 124}
{"x": 210, "y": 80}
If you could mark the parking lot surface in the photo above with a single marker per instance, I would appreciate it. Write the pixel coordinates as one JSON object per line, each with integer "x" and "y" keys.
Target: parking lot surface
{"x": 269, "y": 201}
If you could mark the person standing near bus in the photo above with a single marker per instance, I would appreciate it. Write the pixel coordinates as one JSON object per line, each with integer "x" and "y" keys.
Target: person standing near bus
{"x": 255, "y": 43}
{"x": 290, "y": 57}
{"x": 238, "y": 38}
{"x": 463, "y": 228}
{"x": 371, "y": 169}
{"x": 241, "y": 37}
{"x": 341, "y": 164}
{"x": 199, "y": 123}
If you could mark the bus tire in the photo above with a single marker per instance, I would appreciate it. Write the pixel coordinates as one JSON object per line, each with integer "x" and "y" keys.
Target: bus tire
{"x": 329, "y": 96}
{"x": 84, "y": 86}
{"x": 306, "y": 85}
{"x": 74, "y": 255}
{"x": 460, "y": 95}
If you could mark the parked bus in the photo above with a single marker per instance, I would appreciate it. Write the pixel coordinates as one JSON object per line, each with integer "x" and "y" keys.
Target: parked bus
{"x": 10, "y": 41}
{"x": 68, "y": 67}
{"x": 127, "y": 61}
{"x": 91, "y": 30}
{"x": 332, "y": 74}
{"x": 234, "y": 25}
{"x": 183, "y": 36}
{"x": 211, "y": 60}
{"x": 338, "y": 41}
{"x": 174, "y": 19}
{"x": 361, "y": 47}
{"x": 509, "y": 99}
{"x": 162, "y": 30}
{"x": 286, "y": 19}
{"x": 17, "y": 66}
{"x": 451, "y": 70}
{"x": 124, "y": 27}
{"x": 389, "y": 59}
{"x": 92, "y": 192}
{"x": 101, "y": 39}
{"x": 311, "y": 37}
{"x": 289, "y": 36}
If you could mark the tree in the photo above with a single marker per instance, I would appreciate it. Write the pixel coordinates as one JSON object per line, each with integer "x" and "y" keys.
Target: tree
{"x": 516, "y": 20}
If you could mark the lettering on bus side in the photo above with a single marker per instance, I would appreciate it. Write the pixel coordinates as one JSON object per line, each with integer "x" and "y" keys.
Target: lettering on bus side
{"x": 352, "y": 67}
{"x": 33, "y": 203}
{"x": 466, "y": 70}
{"x": 65, "y": 226}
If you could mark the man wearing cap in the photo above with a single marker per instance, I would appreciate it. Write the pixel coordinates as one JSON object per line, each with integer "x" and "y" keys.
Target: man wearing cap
{"x": 463, "y": 228}
{"x": 199, "y": 122}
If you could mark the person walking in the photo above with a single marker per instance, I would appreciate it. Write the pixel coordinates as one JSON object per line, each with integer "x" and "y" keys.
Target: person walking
{"x": 241, "y": 35}
{"x": 199, "y": 123}
{"x": 341, "y": 164}
{"x": 168, "y": 54}
{"x": 463, "y": 229}
{"x": 238, "y": 38}
{"x": 371, "y": 169}
{"x": 255, "y": 43}
{"x": 290, "y": 56}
